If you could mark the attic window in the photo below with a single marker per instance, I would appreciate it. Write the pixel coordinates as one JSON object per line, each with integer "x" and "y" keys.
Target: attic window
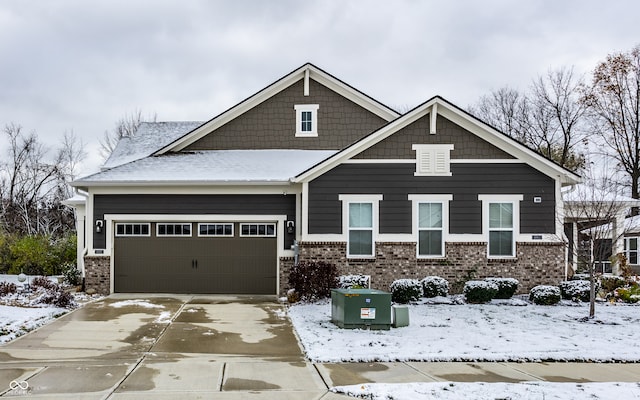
{"x": 306, "y": 120}
{"x": 433, "y": 159}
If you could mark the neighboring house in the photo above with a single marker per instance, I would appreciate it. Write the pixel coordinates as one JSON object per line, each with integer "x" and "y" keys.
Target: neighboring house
{"x": 597, "y": 226}
{"x": 215, "y": 207}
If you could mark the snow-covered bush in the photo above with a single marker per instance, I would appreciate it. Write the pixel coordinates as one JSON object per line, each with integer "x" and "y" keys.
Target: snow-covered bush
{"x": 433, "y": 286}
{"x": 507, "y": 287}
{"x": 629, "y": 294}
{"x": 71, "y": 275}
{"x": 57, "y": 297}
{"x": 405, "y": 290}
{"x": 313, "y": 280}
{"x": 479, "y": 291}
{"x": 545, "y": 295}
{"x": 43, "y": 282}
{"x": 611, "y": 282}
{"x": 575, "y": 290}
{"x": 579, "y": 277}
{"x": 7, "y": 288}
{"x": 353, "y": 281}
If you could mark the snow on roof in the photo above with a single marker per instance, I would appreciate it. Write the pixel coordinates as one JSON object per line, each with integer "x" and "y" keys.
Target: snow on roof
{"x": 212, "y": 166}
{"x": 149, "y": 137}
{"x": 587, "y": 193}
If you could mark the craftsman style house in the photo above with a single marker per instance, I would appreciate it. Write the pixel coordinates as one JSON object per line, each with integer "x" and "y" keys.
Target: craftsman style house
{"x": 215, "y": 206}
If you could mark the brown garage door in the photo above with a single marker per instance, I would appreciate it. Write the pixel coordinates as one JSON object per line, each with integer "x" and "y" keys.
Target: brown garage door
{"x": 194, "y": 264}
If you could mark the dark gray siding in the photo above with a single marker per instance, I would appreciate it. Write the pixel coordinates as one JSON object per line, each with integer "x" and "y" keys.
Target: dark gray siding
{"x": 193, "y": 204}
{"x": 395, "y": 181}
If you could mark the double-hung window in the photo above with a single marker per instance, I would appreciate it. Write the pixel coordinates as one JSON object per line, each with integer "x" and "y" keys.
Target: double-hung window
{"x": 430, "y": 236}
{"x": 360, "y": 220}
{"x": 306, "y": 120}
{"x": 501, "y": 221}
{"x": 431, "y": 216}
{"x": 631, "y": 250}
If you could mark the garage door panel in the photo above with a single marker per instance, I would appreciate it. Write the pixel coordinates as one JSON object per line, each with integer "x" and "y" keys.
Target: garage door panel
{"x": 230, "y": 265}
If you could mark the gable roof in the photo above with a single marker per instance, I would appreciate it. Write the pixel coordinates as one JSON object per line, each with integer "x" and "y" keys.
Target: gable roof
{"x": 210, "y": 167}
{"x": 307, "y": 71}
{"x": 147, "y": 139}
{"x": 439, "y": 106}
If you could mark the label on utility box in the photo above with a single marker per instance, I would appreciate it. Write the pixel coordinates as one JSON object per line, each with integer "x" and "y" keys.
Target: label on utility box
{"x": 367, "y": 313}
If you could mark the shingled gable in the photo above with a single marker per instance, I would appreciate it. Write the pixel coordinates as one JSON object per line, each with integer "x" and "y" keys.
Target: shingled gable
{"x": 306, "y": 72}
{"x": 438, "y": 106}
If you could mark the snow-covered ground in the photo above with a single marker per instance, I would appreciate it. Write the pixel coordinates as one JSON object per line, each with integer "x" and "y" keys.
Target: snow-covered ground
{"x": 492, "y": 391}
{"x": 513, "y": 330}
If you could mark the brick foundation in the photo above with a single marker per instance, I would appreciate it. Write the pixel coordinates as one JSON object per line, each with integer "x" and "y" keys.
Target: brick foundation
{"x": 97, "y": 274}
{"x": 536, "y": 263}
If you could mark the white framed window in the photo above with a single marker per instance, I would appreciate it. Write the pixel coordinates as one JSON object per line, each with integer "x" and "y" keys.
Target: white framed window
{"x": 501, "y": 224}
{"x": 258, "y": 229}
{"x": 631, "y": 249}
{"x": 433, "y": 159}
{"x": 173, "y": 229}
{"x": 360, "y": 224}
{"x": 431, "y": 223}
{"x": 215, "y": 229}
{"x": 306, "y": 120}
{"x": 133, "y": 229}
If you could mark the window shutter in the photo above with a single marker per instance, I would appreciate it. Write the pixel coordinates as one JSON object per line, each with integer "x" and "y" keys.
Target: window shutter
{"x": 425, "y": 161}
{"x": 440, "y": 162}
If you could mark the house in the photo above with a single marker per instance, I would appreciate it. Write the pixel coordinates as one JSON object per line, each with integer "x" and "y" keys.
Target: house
{"x": 215, "y": 206}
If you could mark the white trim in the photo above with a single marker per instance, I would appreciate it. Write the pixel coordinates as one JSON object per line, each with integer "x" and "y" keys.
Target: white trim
{"x": 515, "y": 200}
{"x": 433, "y": 119}
{"x": 416, "y": 200}
{"x": 186, "y": 189}
{"x": 486, "y": 161}
{"x": 380, "y": 161}
{"x": 216, "y": 223}
{"x": 305, "y": 210}
{"x": 374, "y": 200}
{"x": 182, "y": 224}
{"x": 306, "y": 83}
{"x": 313, "y": 109}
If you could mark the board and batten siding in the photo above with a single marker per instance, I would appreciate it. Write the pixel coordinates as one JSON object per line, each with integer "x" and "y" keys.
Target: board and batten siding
{"x": 396, "y": 181}
{"x": 193, "y": 204}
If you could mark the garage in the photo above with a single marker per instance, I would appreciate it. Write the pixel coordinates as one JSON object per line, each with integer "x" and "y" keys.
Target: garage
{"x": 192, "y": 257}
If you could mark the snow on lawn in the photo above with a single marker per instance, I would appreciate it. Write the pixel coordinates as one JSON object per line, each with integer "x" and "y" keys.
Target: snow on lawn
{"x": 509, "y": 331}
{"x": 491, "y": 391}
{"x": 16, "y": 321}
{"x": 136, "y": 302}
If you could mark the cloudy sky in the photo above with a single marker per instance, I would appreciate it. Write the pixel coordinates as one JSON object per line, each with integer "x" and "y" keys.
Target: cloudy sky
{"x": 81, "y": 65}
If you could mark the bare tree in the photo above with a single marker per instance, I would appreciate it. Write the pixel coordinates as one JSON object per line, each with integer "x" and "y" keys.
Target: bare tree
{"x": 125, "y": 127}
{"x": 549, "y": 117}
{"x": 614, "y": 101}
{"x": 597, "y": 211}
{"x": 32, "y": 187}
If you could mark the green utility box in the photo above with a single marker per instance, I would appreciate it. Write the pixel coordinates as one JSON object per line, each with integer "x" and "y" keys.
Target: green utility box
{"x": 361, "y": 308}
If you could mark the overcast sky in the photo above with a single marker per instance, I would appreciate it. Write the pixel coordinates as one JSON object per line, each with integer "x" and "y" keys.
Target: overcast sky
{"x": 81, "y": 65}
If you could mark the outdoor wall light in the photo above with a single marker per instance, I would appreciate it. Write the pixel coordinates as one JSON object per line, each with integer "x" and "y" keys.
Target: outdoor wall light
{"x": 99, "y": 225}
{"x": 291, "y": 227}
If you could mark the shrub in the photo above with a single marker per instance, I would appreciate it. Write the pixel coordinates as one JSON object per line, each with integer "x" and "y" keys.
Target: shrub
{"x": 313, "y": 280}
{"x": 579, "y": 277}
{"x": 433, "y": 286}
{"x": 57, "y": 297}
{"x": 575, "y": 290}
{"x": 611, "y": 282}
{"x": 405, "y": 290}
{"x": 7, "y": 288}
{"x": 507, "y": 287}
{"x": 71, "y": 274}
{"x": 353, "y": 281}
{"x": 545, "y": 295}
{"x": 479, "y": 291}
{"x": 630, "y": 294}
{"x": 43, "y": 282}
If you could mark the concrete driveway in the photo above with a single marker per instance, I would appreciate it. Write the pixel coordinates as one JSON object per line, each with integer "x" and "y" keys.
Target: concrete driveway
{"x": 136, "y": 347}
